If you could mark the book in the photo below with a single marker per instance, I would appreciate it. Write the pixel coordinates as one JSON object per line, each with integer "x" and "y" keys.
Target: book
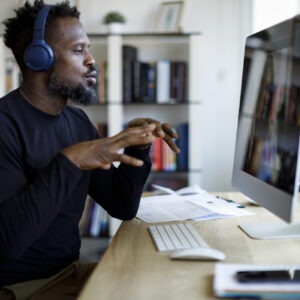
{"x": 144, "y": 89}
{"x": 183, "y": 143}
{"x": 84, "y": 223}
{"x": 156, "y": 154}
{"x": 129, "y": 56}
{"x": 136, "y": 81}
{"x": 168, "y": 158}
{"x": 102, "y": 129}
{"x": 178, "y": 75}
{"x": 12, "y": 74}
{"x": 96, "y": 220}
{"x": 101, "y": 82}
{"x": 163, "y": 81}
{"x": 226, "y": 284}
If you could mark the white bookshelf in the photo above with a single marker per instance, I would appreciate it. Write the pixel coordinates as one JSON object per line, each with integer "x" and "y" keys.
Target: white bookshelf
{"x": 152, "y": 47}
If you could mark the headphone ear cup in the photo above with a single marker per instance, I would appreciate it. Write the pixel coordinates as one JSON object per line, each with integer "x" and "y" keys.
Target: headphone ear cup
{"x": 38, "y": 56}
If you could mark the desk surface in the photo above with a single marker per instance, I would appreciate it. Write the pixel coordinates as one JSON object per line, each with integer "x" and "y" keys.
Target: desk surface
{"x": 131, "y": 268}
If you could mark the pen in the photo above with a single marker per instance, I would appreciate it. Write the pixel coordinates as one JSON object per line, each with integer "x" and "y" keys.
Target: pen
{"x": 228, "y": 200}
{"x": 231, "y": 201}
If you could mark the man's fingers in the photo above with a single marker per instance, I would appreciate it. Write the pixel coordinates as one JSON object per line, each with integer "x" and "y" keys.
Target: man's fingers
{"x": 129, "y": 160}
{"x": 134, "y": 136}
{"x": 169, "y": 131}
{"x": 171, "y": 144}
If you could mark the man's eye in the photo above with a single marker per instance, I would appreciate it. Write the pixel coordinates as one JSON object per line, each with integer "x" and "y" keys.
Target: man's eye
{"x": 78, "y": 51}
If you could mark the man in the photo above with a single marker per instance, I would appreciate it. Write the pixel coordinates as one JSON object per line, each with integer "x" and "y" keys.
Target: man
{"x": 51, "y": 158}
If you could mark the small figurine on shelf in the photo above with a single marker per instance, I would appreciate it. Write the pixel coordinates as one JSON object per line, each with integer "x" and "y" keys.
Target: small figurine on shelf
{"x": 114, "y": 21}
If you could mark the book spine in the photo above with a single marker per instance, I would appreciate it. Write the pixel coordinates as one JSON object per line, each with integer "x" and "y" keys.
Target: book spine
{"x": 182, "y": 142}
{"x": 129, "y": 55}
{"x": 147, "y": 82}
{"x": 96, "y": 220}
{"x": 136, "y": 81}
{"x": 156, "y": 154}
{"x": 163, "y": 81}
{"x": 101, "y": 82}
{"x": 178, "y": 81}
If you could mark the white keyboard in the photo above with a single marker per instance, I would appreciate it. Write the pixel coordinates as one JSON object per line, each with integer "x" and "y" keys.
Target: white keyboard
{"x": 170, "y": 237}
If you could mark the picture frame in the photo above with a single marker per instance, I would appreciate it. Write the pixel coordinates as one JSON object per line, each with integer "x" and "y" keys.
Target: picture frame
{"x": 169, "y": 16}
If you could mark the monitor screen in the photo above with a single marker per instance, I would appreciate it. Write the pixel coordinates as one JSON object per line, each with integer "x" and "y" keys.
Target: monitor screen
{"x": 267, "y": 141}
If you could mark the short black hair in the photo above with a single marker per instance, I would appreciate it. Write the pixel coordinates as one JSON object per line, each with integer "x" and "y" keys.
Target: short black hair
{"x": 18, "y": 32}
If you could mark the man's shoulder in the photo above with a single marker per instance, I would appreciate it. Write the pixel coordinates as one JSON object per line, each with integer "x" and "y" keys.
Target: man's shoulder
{"x": 6, "y": 99}
{"x": 8, "y": 104}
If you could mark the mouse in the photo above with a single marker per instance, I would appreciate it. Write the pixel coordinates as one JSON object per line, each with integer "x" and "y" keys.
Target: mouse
{"x": 197, "y": 254}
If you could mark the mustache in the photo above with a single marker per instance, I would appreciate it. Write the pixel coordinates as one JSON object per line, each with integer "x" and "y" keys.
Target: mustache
{"x": 91, "y": 70}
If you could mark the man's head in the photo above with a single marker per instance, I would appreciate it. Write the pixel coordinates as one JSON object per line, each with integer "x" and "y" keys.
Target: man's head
{"x": 73, "y": 72}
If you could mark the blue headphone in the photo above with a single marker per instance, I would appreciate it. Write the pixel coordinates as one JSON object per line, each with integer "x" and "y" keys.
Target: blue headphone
{"x": 39, "y": 56}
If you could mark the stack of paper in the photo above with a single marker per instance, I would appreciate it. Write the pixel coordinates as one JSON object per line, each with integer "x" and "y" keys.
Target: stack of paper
{"x": 190, "y": 203}
{"x": 226, "y": 284}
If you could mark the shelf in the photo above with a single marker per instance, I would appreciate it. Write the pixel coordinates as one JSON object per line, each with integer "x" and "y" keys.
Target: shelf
{"x": 144, "y": 104}
{"x": 145, "y": 34}
{"x": 177, "y": 172}
{"x": 162, "y": 104}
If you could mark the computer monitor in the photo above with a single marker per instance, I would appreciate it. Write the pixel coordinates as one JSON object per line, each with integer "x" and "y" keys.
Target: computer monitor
{"x": 266, "y": 156}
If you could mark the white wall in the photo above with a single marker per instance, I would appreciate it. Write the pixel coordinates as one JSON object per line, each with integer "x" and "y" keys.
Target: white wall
{"x": 280, "y": 10}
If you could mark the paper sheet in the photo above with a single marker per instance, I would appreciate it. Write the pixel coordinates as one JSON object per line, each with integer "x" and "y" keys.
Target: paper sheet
{"x": 186, "y": 204}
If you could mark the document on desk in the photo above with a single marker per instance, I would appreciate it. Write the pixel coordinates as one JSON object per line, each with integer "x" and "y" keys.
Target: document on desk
{"x": 226, "y": 285}
{"x": 187, "y": 204}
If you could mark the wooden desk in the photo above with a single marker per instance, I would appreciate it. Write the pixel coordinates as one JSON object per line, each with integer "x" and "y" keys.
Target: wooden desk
{"x": 132, "y": 269}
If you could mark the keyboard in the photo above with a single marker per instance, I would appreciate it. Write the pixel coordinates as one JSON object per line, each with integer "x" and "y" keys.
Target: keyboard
{"x": 170, "y": 237}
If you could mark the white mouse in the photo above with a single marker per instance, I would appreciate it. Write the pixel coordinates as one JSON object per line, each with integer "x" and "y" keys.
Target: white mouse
{"x": 197, "y": 254}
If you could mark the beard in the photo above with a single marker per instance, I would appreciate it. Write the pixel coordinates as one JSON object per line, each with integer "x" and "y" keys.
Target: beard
{"x": 71, "y": 90}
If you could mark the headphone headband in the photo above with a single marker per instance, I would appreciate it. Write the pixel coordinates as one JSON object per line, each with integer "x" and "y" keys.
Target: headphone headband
{"x": 40, "y": 23}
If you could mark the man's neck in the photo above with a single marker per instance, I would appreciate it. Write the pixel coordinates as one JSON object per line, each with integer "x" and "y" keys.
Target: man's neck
{"x": 42, "y": 99}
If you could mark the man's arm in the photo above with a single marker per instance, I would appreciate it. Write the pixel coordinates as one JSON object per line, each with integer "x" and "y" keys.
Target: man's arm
{"x": 27, "y": 208}
{"x": 119, "y": 190}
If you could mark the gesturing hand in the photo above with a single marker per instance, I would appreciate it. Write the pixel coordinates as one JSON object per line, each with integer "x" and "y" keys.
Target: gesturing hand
{"x": 101, "y": 153}
{"x": 163, "y": 130}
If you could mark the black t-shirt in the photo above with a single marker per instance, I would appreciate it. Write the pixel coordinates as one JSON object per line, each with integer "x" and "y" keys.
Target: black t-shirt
{"x": 42, "y": 194}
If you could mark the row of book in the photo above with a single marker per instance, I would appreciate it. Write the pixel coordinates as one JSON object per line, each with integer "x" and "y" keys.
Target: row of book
{"x": 164, "y": 159}
{"x": 94, "y": 221}
{"x": 162, "y": 81}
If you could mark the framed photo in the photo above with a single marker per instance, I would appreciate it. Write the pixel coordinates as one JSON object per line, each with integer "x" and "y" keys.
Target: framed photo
{"x": 169, "y": 16}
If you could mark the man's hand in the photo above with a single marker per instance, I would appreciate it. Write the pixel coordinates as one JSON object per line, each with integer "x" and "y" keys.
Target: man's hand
{"x": 163, "y": 130}
{"x": 101, "y": 153}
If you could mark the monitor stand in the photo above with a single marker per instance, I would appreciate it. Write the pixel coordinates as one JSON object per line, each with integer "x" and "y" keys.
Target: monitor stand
{"x": 271, "y": 230}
